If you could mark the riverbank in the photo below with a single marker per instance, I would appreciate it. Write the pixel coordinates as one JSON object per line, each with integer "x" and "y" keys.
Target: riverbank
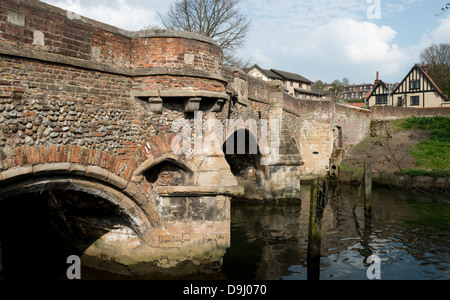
{"x": 398, "y": 180}
{"x": 404, "y": 153}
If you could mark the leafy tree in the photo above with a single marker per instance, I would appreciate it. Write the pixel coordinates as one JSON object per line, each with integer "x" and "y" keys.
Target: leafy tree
{"x": 220, "y": 20}
{"x": 437, "y": 58}
{"x": 337, "y": 88}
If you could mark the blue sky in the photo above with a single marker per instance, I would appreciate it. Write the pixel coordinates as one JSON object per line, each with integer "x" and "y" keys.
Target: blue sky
{"x": 320, "y": 39}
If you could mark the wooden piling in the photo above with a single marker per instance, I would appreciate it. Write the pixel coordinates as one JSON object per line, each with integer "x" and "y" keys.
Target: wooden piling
{"x": 318, "y": 201}
{"x": 367, "y": 188}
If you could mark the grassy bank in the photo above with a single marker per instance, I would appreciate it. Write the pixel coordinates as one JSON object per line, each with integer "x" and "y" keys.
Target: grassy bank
{"x": 431, "y": 156}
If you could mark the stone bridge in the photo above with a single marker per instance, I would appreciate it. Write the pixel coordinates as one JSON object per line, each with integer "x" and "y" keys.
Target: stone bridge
{"x": 131, "y": 142}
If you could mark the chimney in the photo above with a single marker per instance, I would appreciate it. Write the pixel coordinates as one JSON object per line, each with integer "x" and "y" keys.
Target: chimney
{"x": 378, "y": 78}
{"x": 424, "y": 68}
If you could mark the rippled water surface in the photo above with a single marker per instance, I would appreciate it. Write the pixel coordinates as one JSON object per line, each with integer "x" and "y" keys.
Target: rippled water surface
{"x": 408, "y": 231}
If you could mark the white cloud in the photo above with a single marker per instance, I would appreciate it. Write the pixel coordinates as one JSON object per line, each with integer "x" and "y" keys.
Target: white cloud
{"x": 357, "y": 42}
{"x": 442, "y": 33}
{"x": 329, "y": 39}
{"x": 342, "y": 47}
{"x": 321, "y": 39}
{"x": 125, "y": 14}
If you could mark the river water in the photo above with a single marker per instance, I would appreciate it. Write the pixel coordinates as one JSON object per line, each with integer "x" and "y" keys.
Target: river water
{"x": 408, "y": 231}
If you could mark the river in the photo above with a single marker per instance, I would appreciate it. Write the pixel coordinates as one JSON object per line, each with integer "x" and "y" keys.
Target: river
{"x": 408, "y": 231}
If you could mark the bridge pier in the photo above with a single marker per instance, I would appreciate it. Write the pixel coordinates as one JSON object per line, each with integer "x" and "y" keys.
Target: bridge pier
{"x": 185, "y": 243}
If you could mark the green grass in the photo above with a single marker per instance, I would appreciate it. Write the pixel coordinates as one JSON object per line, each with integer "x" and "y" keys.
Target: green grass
{"x": 345, "y": 168}
{"x": 433, "y": 153}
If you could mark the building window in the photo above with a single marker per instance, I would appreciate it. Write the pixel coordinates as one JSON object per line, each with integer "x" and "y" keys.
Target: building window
{"x": 381, "y": 99}
{"x": 400, "y": 101}
{"x": 414, "y": 85}
{"x": 415, "y": 100}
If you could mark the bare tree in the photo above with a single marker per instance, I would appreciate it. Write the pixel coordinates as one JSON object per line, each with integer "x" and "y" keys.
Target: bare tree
{"x": 220, "y": 20}
{"x": 444, "y": 9}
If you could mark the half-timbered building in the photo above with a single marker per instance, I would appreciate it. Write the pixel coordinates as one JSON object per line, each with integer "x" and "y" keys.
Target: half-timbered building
{"x": 417, "y": 90}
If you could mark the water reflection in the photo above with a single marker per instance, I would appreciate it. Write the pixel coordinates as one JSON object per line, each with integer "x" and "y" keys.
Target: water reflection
{"x": 408, "y": 231}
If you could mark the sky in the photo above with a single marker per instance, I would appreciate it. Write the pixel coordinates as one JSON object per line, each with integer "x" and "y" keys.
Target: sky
{"x": 318, "y": 39}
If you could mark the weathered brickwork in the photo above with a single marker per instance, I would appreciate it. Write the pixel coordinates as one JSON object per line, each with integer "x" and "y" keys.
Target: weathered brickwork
{"x": 321, "y": 126}
{"x": 162, "y": 82}
{"x": 41, "y": 102}
{"x": 395, "y": 112}
{"x": 174, "y": 53}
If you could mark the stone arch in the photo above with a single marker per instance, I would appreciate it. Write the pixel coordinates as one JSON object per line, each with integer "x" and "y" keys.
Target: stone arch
{"x": 138, "y": 219}
{"x": 63, "y": 215}
{"x": 27, "y": 163}
{"x": 242, "y": 142}
{"x": 243, "y": 126}
{"x": 155, "y": 165}
{"x": 246, "y": 167}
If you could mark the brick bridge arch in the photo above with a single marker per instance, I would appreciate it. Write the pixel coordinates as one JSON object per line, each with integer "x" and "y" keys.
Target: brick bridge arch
{"x": 73, "y": 168}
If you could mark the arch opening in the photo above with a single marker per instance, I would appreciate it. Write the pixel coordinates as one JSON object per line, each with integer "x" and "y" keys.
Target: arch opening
{"x": 244, "y": 157}
{"x": 167, "y": 173}
{"x": 44, "y": 221}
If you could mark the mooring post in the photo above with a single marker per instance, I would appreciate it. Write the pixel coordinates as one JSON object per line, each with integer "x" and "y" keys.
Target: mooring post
{"x": 318, "y": 201}
{"x": 368, "y": 187}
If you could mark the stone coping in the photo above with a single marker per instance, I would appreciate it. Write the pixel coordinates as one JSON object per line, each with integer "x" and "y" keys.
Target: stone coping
{"x": 179, "y": 93}
{"x": 199, "y": 190}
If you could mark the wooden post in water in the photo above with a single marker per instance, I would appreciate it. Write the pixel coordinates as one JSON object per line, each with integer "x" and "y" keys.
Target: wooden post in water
{"x": 319, "y": 195}
{"x": 367, "y": 180}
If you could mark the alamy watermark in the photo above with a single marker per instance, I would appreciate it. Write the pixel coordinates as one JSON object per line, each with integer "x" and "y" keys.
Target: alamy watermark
{"x": 374, "y": 9}
{"x": 74, "y": 270}
{"x": 374, "y": 270}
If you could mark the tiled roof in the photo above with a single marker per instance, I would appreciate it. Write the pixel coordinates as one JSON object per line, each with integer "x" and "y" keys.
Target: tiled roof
{"x": 310, "y": 92}
{"x": 271, "y": 74}
{"x": 291, "y": 76}
{"x": 357, "y": 104}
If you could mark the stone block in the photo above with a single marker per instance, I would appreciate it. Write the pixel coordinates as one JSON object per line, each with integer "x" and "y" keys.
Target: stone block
{"x": 192, "y": 104}
{"x": 189, "y": 58}
{"x": 209, "y": 178}
{"x": 15, "y": 18}
{"x": 16, "y": 173}
{"x": 147, "y": 93}
{"x": 177, "y": 93}
{"x": 97, "y": 173}
{"x": 214, "y": 163}
{"x": 57, "y": 168}
{"x": 38, "y": 38}
{"x": 155, "y": 104}
{"x": 117, "y": 181}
